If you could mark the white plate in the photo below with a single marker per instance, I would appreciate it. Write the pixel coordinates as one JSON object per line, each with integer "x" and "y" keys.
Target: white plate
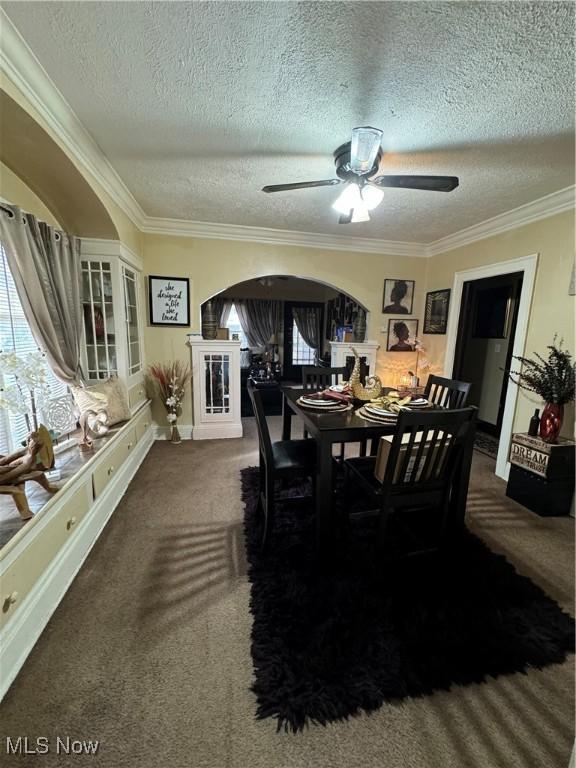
{"x": 337, "y": 387}
{"x": 319, "y": 403}
{"x": 373, "y": 418}
{"x": 380, "y": 411}
{"x": 332, "y": 409}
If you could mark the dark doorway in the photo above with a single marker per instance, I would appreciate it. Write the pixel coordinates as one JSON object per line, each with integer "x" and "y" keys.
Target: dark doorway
{"x": 296, "y": 352}
{"x": 486, "y": 329}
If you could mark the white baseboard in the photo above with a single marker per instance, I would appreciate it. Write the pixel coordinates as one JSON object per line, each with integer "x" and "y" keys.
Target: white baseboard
{"x": 216, "y": 431}
{"x": 163, "y": 433}
{"x": 200, "y": 431}
{"x": 21, "y": 634}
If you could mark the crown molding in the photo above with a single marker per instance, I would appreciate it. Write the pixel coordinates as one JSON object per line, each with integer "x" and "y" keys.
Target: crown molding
{"x": 212, "y": 231}
{"x": 549, "y": 205}
{"x": 20, "y": 65}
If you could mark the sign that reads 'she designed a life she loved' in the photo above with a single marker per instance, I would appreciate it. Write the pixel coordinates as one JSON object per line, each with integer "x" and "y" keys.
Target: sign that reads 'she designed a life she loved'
{"x": 169, "y": 300}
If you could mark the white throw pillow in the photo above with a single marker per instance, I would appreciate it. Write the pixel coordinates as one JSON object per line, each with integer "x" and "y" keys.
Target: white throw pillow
{"x": 110, "y": 396}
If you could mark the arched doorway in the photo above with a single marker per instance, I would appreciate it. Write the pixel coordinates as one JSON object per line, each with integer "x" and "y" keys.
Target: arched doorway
{"x": 285, "y": 322}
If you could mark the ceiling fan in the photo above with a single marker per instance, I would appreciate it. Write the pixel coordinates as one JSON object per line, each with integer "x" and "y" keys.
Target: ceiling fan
{"x": 357, "y": 162}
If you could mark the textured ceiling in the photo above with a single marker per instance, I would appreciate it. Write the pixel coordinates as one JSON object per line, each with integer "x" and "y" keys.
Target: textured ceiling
{"x": 198, "y": 105}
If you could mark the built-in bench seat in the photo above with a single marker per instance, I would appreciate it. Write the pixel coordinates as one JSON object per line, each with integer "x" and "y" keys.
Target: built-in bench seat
{"x": 39, "y": 563}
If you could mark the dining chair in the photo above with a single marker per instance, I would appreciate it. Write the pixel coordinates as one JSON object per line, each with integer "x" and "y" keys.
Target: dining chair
{"x": 320, "y": 377}
{"x": 417, "y": 466}
{"x": 447, "y": 393}
{"x": 278, "y": 460}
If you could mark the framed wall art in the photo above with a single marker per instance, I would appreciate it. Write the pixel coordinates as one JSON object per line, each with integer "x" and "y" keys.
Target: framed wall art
{"x": 168, "y": 300}
{"x": 402, "y": 335}
{"x": 436, "y": 311}
{"x": 398, "y": 297}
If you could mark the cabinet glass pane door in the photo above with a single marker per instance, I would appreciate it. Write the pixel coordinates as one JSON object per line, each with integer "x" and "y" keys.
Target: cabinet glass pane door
{"x": 99, "y": 319}
{"x": 131, "y": 310}
{"x": 217, "y": 383}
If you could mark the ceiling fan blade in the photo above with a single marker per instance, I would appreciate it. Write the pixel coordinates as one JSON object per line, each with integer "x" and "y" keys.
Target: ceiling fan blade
{"x": 301, "y": 185}
{"x": 364, "y": 148}
{"x": 427, "y": 183}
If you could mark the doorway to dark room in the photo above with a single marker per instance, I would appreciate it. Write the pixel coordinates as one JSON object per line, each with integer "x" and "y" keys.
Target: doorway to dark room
{"x": 484, "y": 344}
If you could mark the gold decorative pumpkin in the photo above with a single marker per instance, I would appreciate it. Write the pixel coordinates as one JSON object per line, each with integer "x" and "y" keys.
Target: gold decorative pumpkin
{"x": 373, "y": 386}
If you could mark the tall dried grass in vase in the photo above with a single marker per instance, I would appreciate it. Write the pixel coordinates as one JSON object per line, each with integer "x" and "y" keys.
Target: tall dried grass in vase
{"x": 170, "y": 380}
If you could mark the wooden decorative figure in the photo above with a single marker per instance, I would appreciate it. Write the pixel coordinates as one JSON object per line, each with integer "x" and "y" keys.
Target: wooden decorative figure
{"x": 27, "y": 464}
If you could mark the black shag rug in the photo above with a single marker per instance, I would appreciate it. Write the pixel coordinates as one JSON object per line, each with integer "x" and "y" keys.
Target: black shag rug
{"x": 486, "y": 444}
{"x": 332, "y": 641}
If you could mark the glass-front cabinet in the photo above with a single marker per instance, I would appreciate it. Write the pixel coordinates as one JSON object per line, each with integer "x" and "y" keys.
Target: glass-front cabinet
{"x": 111, "y": 306}
{"x": 217, "y": 383}
{"x": 99, "y": 328}
{"x": 130, "y": 280}
{"x": 215, "y": 388}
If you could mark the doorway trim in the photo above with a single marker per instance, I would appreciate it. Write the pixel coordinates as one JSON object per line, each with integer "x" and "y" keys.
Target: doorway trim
{"x": 527, "y": 265}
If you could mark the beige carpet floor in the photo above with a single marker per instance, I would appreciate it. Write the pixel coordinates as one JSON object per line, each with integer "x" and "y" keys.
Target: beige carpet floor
{"x": 149, "y": 652}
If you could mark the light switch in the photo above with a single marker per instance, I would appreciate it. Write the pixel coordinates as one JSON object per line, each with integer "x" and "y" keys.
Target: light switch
{"x": 497, "y": 347}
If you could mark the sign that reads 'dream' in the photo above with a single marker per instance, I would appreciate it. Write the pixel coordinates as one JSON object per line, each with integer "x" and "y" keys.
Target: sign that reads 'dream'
{"x": 169, "y": 300}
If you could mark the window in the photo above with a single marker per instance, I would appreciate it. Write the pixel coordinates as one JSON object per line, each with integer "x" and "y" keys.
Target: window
{"x": 15, "y": 335}
{"x": 302, "y": 354}
{"x": 233, "y": 325}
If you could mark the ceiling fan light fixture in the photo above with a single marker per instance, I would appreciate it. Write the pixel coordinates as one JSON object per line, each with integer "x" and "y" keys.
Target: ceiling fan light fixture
{"x": 372, "y": 196}
{"x": 360, "y": 214}
{"x": 364, "y": 148}
{"x": 349, "y": 198}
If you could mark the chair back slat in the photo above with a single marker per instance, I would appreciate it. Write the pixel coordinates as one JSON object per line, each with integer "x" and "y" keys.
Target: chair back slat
{"x": 319, "y": 377}
{"x": 447, "y": 393}
{"x": 418, "y": 458}
{"x": 407, "y": 453}
{"x": 262, "y": 425}
{"x": 426, "y": 447}
{"x": 438, "y": 458}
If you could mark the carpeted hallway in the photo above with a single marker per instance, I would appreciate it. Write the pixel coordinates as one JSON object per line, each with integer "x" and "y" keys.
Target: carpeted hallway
{"x": 149, "y": 652}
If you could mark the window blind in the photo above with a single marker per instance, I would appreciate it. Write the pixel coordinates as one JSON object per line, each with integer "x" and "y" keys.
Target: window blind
{"x": 15, "y": 335}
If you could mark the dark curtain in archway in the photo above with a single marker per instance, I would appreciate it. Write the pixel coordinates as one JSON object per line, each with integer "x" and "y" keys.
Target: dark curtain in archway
{"x": 307, "y": 321}
{"x": 260, "y": 319}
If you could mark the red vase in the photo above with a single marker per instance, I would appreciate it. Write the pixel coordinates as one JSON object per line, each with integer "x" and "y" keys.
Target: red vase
{"x": 551, "y": 422}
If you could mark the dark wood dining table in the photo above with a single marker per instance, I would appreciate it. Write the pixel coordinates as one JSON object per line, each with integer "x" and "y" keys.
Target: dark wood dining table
{"x": 346, "y": 427}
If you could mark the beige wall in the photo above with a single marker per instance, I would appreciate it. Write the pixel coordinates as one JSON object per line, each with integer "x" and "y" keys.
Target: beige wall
{"x": 552, "y": 310}
{"x": 214, "y": 265}
{"x": 15, "y": 191}
{"x": 128, "y": 233}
